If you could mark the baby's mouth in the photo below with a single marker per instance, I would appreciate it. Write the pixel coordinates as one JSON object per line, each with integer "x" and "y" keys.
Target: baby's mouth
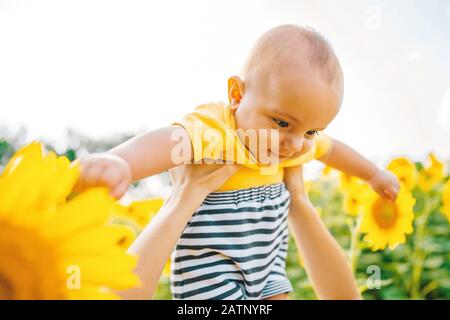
{"x": 279, "y": 156}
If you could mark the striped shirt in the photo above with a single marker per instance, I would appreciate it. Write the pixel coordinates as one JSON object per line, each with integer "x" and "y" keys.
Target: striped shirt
{"x": 234, "y": 246}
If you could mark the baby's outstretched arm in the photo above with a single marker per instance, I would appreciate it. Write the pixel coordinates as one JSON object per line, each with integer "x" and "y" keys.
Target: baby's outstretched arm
{"x": 343, "y": 158}
{"x": 142, "y": 156}
{"x": 151, "y": 153}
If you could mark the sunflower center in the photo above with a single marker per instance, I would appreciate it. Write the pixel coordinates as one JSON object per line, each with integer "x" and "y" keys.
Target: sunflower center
{"x": 384, "y": 213}
{"x": 6, "y": 288}
{"x": 26, "y": 271}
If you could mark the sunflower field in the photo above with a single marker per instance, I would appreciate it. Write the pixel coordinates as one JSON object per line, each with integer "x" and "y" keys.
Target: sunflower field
{"x": 397, "y": 250}
{"x": 403, "y": 245}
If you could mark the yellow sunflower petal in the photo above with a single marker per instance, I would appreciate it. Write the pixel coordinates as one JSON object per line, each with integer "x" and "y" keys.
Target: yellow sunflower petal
{"x": 91, "y": 292}
{"x": 405, "y": 170}
{"x": 386, "y": 223}
{"x": 45, "y": 239}
{"x": 113, "y": 271}
{"x": 89, "y": 209}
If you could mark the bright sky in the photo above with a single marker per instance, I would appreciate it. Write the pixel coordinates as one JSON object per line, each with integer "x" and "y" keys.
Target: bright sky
{"x": 112, "y": 66}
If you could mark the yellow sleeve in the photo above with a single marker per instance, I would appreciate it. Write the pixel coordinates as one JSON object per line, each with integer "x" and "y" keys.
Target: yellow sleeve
{"x": 323, "y": 144}
{"x": 205, "y": 127}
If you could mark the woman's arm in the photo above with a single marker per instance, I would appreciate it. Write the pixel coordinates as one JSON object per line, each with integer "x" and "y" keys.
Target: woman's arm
{"x": 325, "y": 262}
{"x": 191, "y": 185}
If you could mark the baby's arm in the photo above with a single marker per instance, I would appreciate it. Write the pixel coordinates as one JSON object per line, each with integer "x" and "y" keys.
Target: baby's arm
{"x": 142, "y": 156}
{"x": 151, "y": 153}
{"x": 343, "y": 158}
{"x": 325, "y": 261}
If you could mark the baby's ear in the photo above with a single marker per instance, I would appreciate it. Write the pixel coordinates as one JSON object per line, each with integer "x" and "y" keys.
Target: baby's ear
{"x": 235, "y": 91}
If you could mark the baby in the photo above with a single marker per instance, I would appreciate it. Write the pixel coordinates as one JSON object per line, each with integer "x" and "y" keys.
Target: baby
{"x": 235, "y": 245}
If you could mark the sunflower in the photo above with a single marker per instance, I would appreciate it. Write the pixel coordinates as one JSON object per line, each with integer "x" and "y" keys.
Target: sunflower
{"x": 355, "y": 191}
{"x": 139, "y": 211}
{"x": 354, "y": 198}
{"x": 127, "y": 235}
{"x": 446, "y": 199}
{"x": 405, "y": 170}
{"x": 385, "y": 222}
{"x": 431, "y": 174}
{"x": 51, "y": 248}
{"x": 327, "y": 171}
{"x": 348, "y": 182}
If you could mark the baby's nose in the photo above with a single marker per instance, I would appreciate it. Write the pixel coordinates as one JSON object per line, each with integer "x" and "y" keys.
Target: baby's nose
{"x": 297, "y": 145}
{"x": 291, "y": 146}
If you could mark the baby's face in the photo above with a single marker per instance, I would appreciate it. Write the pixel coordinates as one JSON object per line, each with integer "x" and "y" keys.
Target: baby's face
{"x": 298, "y": 106}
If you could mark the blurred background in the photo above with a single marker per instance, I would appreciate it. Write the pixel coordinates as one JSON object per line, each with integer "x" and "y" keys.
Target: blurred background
{"x": 83, "y": 76}
{"x": 103, "y": 67}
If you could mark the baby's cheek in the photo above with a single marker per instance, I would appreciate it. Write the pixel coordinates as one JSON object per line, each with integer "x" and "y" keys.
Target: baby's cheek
{"x": 307, "y": 145}
{"x": 283, "y": 142}
{"x": 273, "y": 142}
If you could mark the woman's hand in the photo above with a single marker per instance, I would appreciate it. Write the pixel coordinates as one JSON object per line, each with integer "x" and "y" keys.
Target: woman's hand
{"x": 293, "y": 179}
{"x": 194, "y": 182}
{"x": 191, "y": 185}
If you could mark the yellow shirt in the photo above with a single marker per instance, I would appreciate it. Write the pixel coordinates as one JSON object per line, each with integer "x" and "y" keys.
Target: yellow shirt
{"x": 212, "y": 130}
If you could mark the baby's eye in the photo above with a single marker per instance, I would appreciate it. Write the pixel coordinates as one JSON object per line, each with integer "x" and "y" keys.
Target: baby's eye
{"x": 281, "y": 123}
{"x": 312, "y": 132}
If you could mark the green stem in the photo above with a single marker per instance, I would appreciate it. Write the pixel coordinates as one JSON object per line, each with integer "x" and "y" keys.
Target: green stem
{"x": 429, "y": 287}
{"x": 419, "y": 255}
{"x": 354, "y": 238}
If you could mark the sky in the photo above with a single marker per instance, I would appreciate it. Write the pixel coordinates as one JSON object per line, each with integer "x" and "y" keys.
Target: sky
{"x": 104, "y": 67}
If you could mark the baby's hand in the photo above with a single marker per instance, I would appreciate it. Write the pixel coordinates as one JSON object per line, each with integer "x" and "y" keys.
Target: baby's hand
{"x": 385, "y": 184}
{"x": 104, "y": 170}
